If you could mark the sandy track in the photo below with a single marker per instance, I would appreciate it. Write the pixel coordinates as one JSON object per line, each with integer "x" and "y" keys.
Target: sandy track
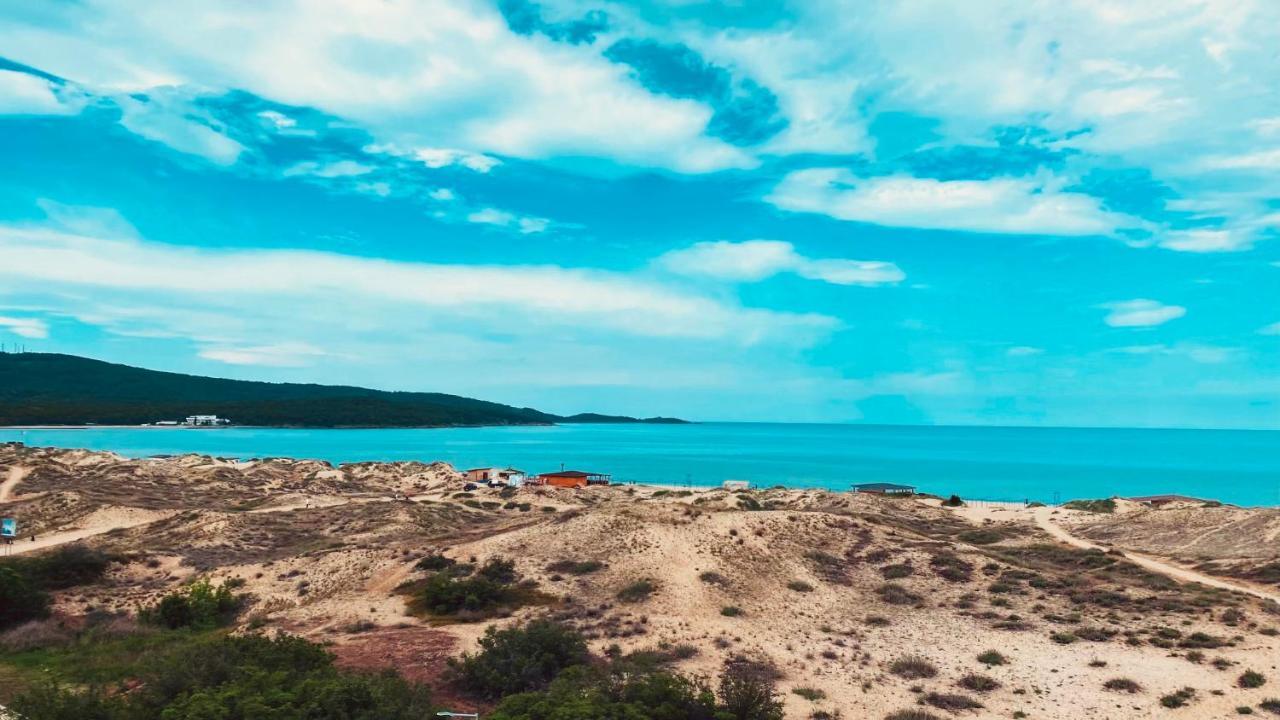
{"x": 1181, "y": 574}
{"x": 97, "y": 523}
{"x": 15, "y": 476}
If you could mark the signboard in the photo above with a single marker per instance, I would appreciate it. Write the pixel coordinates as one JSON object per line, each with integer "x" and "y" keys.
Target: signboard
{"x": 8, "y": 527}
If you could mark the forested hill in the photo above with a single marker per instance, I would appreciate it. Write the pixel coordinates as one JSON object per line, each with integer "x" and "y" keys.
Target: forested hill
{"x": 51, "y": 389}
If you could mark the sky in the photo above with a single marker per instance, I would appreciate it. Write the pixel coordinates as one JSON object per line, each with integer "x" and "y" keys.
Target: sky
{"x": 1011, "y": 213}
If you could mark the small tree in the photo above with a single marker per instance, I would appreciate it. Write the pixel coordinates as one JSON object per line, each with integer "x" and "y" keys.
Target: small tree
{"x": 20, "y": 599}
{"x": 747, "y": 694}
{"x": 520, "y": 659}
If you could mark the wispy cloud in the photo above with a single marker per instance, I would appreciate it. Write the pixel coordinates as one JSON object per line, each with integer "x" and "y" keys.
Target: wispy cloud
{"x": 1001, "y": 205}
{"x": 25, "y": 327}
{"x": 759, "y": 259}
{"x": 1141, "y": 313}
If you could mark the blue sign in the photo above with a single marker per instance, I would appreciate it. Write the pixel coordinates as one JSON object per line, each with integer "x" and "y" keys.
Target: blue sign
{"x": 8, "y": 527}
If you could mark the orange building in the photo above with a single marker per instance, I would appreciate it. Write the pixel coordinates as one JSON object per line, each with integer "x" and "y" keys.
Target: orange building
{"x": 571, "y": 479}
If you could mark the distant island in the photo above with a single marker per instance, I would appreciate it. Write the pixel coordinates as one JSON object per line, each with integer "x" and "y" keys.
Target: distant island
{"x": 56, "y": 389}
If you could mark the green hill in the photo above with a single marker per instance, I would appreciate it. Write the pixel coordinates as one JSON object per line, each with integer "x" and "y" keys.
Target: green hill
{"x": 51, "y": 389}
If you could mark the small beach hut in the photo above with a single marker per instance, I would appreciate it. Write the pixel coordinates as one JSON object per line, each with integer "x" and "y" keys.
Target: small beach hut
{"x": 885, "y": 489}
{"x": 571, "y": 479}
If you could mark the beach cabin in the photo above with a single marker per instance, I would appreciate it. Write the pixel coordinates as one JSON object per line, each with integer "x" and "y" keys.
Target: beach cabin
{"x": 732, "y": 485}
{"x": 571, "y": 479}
{"x": 496, "y": 476}
{"x": 206, "y": 421}
{"x": 885, "y": 489}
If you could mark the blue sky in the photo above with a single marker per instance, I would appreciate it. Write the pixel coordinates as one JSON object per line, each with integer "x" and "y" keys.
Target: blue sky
{"x": 1033, "y": 213}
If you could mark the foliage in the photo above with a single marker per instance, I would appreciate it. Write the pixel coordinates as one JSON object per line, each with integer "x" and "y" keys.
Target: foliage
{"x": 747, "y": 694}
{"x": 1095, "y": 506}
{"x": 520, "y": 659}
{"x": 434, "y": 562}
{"x": 1251, "y": 679}
{"x": 637, "y": 591}
{"x": 469, "y": 594}
{"x": 992, "y": 657}
{"x": 20, "y": 599}
{"x": 45, "y": 388}
{"x": 953, "y": 501}
{"x": 238, "y": 678}
{"x": 575, "y": 567}
{"x": 67, "y": 566}
{"x": 614, "y": 693}
{"x": 200, "y": 605}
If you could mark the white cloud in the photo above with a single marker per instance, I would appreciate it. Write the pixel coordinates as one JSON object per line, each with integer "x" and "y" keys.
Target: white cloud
{"x": 758, "y": 259}
{"x": 442, "y": 194}
{"x": 165, "y": 117}
{"x": 1204, "y": 354}
{"x": 1141, "y": 313}
{"x": 1206, "y": 240}
{"x": 1002, "y": 205}
{"x": 169, "y": 288}
{"x": 1272, "y": 329}
{"x": 441, "y": 157}
{"x": 24, "y": 94}
{"x": 335, "y": 169}
{"x": 25, "y": 327}
{"x": 277, "y": 355}
{"x": 447, "y": 74}
{"x": 526, "y": 225}
{"x": 1024, "y": 351}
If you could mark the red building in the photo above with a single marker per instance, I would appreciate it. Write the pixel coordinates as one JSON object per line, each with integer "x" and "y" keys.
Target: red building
{"x": 571, "y": 479}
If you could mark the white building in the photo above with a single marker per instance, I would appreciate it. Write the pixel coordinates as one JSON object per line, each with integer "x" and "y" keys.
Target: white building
{"x": 205, "y": 421}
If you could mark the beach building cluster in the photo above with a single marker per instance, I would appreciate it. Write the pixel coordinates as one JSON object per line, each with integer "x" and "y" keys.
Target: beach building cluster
{"x": 512, "y": 477}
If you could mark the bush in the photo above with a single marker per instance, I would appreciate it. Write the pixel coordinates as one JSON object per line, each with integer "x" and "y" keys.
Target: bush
{"x": 711, "y": 577}
{"x": 434, "y": 562}
{"x": 799, "y": 586}
{"x": 951, "y": 702}
{"x": 67, "y": 566}
{"x": 953, "y": 501}
{"x": 35, "y": 634}
{"x": 895, "y": 594}
{"x": 1064, "y": 638}
{"x": 808, "y": 693}
{"x": 747, "y": 693}
{"x": 913, "y": 667}
{"x": 895, "y": 572}
{"x": 1122, "y": 685}
{"x": 1095, "y": 506}
{"x": 638, "y": 591}
{"x": 612, "y": 692}
{"x": 1251, "y": 679}
{"x": 731, "y": 611}
{"x": 200, "y": 605}
{"x": 911, "y": 715}
{"x": 20, "y": 599}
{"x": 992, "y": 657}
{"x": 1178, "y": 699}
{"x": 575, "y": 567}
{"x": 980, "y": 537}
{"x": 1271, "y": 705}
{"x": 237, "y": 678}
{"x": 978, "y": 683}
{"x": 521, "y": 659}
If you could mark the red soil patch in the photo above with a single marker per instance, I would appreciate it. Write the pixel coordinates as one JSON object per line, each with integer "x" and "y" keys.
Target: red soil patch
{"x": 417, "y": 653}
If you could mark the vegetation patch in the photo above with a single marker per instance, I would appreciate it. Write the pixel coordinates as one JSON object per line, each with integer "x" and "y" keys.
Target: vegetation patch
{"x": 575, "y": 567}
{"x": 519, "y": 659}
{"x": 1106, "y": 505}
{"x": 913, "y": 667}
{"x": 638, "y": 591}
{"x": 1122, "y": 685}
{"x": 992, "y": 657}
{"x": 810, "y": 694}
{"x": 199, "y": 606}
{"x": 490, "y": 591}
{"x": 978, "y": 683}
{"x": 1251, "y": 679}
{"x": 799, "y": 586}
{"x": 951, "y": 702}
{"x": 895, "y": 594}
{"x": 898, "y": 571}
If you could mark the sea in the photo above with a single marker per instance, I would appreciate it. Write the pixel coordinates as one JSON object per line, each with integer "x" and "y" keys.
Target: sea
{"x": 979, "y": 463}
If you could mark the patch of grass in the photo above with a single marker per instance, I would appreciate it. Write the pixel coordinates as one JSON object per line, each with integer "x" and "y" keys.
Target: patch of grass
{"x": 895, "y": 594}
{"x": 1063, "y": 638}
{"x": 810, "y": 694}
{"x": 992, "y": 657}
{"x": 1178, "y": 699}
{"x": 1094, "y": 506}
{"x": 951, "y": 702}
{"x": 712, "y": 577}
{"x": 575, "y": 567}
{"x": 913, "y": 667}
{"x": 1202, "y": 640}
{"x": 1251, "y": 679}
{"x": 978, "y": 683}
{"x": 980, "y": 537}
{"x": 1271, "y": 705}
{"x": 1094, "y": 634}
{"x": 799, "y": 586}
{"x": 731, "y": 611}
{"x": 911, "y": 714}
{"x": 951, "y": 567}
{"x": 895, "y": 572}
{"x": 638, "y": 591}
{"x": 877, "y": 621}
{"x": 1122, "y": 685}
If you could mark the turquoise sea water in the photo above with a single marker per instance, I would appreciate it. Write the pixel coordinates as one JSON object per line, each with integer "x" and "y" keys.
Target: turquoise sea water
{"x": 1045, "y": 464}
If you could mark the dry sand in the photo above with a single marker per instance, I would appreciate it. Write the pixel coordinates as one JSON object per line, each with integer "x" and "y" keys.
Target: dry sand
{"x": 321, "y": 550}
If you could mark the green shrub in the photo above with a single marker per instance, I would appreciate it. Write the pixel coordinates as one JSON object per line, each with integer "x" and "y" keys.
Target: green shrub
{"x": 951, "y": 702}
{"x": 895, "y": 594}
{"x": 521, "y": 659}
{"x": 896, "y": 572}
{"x": 575, "y": 567}
{"x": 612, "y": 692}
{"x": 1251, "y": 679}
{"x": 1178, "y": 699}
{"x": 20, "y": 599}
{"x": 913, "y": 667}
{"x": 67, "y": 566}
{"x": 1122, "y": 685}
{"x": 434, "y": 562}
{"x": 808, "y": 693}
{"x": 992, "y": 657}
{"x": 977, "y": 683}
{"x": 953, "y": 501}
{"x": 637, "y": 591}
{"x": 1095, "y": 506}
{"x": 238, "y": 678}
{"x": 980, "y": 537}
{"x": 200, "y": 605}
{"x": 731, "y": 611}
{"x": 799, "y": 586}
{"x": 1063, "y": 638}
{"x": 1271, "y": 705}
{"x": 747, "y": 693}
{"x": 911, "y": 714}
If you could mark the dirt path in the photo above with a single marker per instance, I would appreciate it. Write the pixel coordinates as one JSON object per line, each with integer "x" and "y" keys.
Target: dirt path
{"x": 97, "y": 523}
{"x": 15, "y": 476}
{"x": 1181, "y": 574}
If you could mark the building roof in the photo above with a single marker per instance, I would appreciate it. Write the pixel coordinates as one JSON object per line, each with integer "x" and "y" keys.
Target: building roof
{"x": 571, "y": 474}
{"x": 883, "y": 486}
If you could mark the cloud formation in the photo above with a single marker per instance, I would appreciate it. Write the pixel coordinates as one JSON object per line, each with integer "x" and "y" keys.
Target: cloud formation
{"x": 1141, "y": 313}
{"x": 755, "y": 260}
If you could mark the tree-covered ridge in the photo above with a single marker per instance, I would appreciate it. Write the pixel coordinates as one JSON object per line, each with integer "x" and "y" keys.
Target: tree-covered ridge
{"x": 53, "y": 389}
